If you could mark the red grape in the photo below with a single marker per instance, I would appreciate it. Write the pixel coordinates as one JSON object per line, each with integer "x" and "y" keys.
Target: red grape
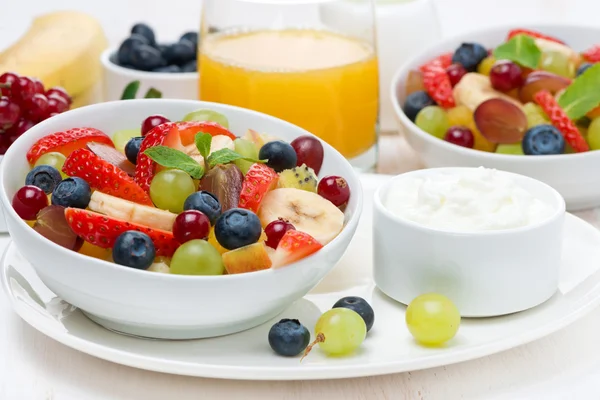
{"x": 28, "y": 201}
{"x": 37, "y": 108}
{"x": 335, "y": 189}
{"x": 460, "y": 136}
{"x": 60, "y": 92}
{"x": 7, "y": 78}
{"x": 52, "y": 224}
{"x": 9, "y": 112}
{"x": 39, "y": 86}
{"x": 541, "y": 80}
{"x": 505, "y": 76}
{"x": 455, "y": 73}
{"x": 191, "y": 224}
{"x": 57, "y": 104}
{"x": 309, "y": 151}
{"x": 153, "y": 121}
{"x": 22, "y": 126}
{"x": 275, "y": 231}
{"x": 22, "y": 89}
{"x": 500, "y": 121}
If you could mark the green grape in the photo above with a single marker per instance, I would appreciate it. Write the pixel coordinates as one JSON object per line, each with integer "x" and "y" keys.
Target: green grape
{"x": 593, "y": 134}
{"x": 557, "y": 63}
{"x": 432, "y": 319}
{"x": 207, "y": 115}
{"x": 535, "y": 115}
{"x": 53, "y": 159}
{"x": 433, "y": 120}
{"x": 197, "y": 257}
{"x": 247, "y": 149}
{"x": 170, "y": 188}
{"x": 120, "y": 138}
{"x": 514, "y": 149}
{"x": 340, "y": 331}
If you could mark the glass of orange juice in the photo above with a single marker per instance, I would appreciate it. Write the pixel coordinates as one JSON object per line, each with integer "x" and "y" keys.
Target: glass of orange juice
{"x": 283, "y": 58}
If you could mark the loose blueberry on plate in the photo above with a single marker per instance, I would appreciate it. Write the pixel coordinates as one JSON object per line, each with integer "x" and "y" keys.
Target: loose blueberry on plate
{"x": 126, "y": 48}
{"x": 469, "y": 55}
{"x": 205, "y": 202}
{"x": 359, "y": 305}
{"x": 132, "y": 149}
{"x": 543, "y": 140}
{"x": 279, "y": 155}
{"x": 134, "y": 249}
{"x": 415, "y": 102}
{"x": 289, "y": 337}
{"x": 145, "y": 31}
{"x": 28, "y": 201}
{"x": 583, "y": 67}
{"x": 146, "y": 58}
{"x": 180, "y": 53}
{"x": 72, "y": 192}
{"x": 45, "y": 177}
{"x": 237, "y": 228}
{"x": 191, "y": 36}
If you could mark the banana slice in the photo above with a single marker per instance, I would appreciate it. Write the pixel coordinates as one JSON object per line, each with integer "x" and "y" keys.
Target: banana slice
{"x": 129, "y": 211}
{"x": 307, "y": 211}
{"x": 218, "y": 142}
{"x": 160, "y": 267}
{"x": 473, "y": 89}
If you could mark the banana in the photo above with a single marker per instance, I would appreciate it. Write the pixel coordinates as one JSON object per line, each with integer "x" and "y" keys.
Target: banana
{"x": 473, "y": 89}
{"x": 129, "y": 211}
{"x": 547, "y": 45}
{"x": 218, "y": 142}
{"x": 307, "y": 211}
{"x": 160, "y": 266}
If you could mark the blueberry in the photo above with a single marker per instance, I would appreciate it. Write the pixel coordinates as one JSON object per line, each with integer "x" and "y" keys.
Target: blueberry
{"x": 145, "y": 31}
{"x": 361, "y": 307}
{"x": 280, "y": 155}
{"x": 180, "y": 53}
{"x": 469, "y": 55}
{"x": 134, "y": 249}
{"x": 415, "y": 102}
{"x": 289, "y": 337}
{"x": 45, "y": 177}
{"x": 543, "y": 140}
{"x": 126, "y": 48}
{"x": 172, "y": 69}
{"x": 583, "y": 67}
{"x": 204, "y": 202}
{"x": 72, "y": 192}
{"x": 132, "y": 148}
{"x": 237, "y": 228}
{"x": 146, "y": 58}
{"x": 162, "y": 48}
{"x": 191, "y": 36}
{"x": 191, "y": 66}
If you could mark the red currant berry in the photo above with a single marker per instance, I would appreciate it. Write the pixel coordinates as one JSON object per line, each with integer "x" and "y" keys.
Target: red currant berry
{"x": 57, "y": 104}
{"x": 9, "y": 112}
{"x": 153, "y": 121}
{"x": 4, "y": 143}
{"x": 22, "y": 126}
{"x": 460, "y": 136}
{"x": 191, "y": 224}
{"x": 22, "y": 89}
{"x": 455, "y": 73}
{"x": 335, "y": 189}
{"x": 39, "y": 86}
{"x": 275, "y": 231}
{"x": 28, "y": 201}
{"x": 37, "y": 108}
{"x": 506, "y": 75}
{"x": 60, "y": 92}
{"x": 7, "y": 78}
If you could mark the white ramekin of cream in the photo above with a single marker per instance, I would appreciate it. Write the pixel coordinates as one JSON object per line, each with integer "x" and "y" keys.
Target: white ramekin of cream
{"x": 489, "y": 240}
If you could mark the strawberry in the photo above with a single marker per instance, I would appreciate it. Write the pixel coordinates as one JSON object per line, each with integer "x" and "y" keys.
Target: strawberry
{"x": 444, "y": 61}
{"x": 294, "y": 246}
{"x": 561, "y": 121}
{"x": 259, "y": 180}
{"x": 533, "y": 34}
{"x": 189, "y": 129}
{"x": 66, "y": 142}
{"x": 592, "y": 54}
{"x": 102, "y": 231}
{"x": 162, "y": 135}
{"x": 437, "y": 84}
{"x": 104, "y": 176}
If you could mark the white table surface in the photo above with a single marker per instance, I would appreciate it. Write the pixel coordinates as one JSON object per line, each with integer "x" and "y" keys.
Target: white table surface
{"x": 565, "y": 365}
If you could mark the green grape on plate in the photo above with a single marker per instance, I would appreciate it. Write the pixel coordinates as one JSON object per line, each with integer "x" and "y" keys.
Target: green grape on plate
{"x": 433, "y": 120}
{"x": 516, "y": 149}
{"x": 535, "y": 115}
{"x": 432, "y": 319}
{"x": 170, "y": 188}
{"x": 207, "y": 115}
{"x": 120, "y": 138}
{"x": 558, "y": 63}
{"x": 53, "y": 159}
{"x": 247, "y": 149}
{"x": 197, "y": 257}
{"x": 593, "y": 134}
{"x": 339, "y": 331}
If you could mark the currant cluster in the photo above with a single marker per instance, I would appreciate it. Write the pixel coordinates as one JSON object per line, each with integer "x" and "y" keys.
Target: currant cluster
{"x": 23, "y": 103}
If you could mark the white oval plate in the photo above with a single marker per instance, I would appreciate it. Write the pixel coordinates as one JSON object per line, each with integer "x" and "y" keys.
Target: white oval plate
{"x": 388, "y": 348}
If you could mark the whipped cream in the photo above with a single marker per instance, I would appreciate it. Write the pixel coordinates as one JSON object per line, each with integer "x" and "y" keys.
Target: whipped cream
{"x": 477, "y": 199}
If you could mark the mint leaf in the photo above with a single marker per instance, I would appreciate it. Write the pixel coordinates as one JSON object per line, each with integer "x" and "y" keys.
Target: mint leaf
{"x": 153, "y": 94}
{"x": 520, "y": 49}
{"x": 203, "y": 141}
{"x": 171, "y": 158}
{"x": 582, "y": 96}
{"x": 130, "y": 90}
{"x": 225, "y": 156}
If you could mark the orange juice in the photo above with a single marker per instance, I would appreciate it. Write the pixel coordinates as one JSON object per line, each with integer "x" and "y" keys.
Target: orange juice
{"x": 321, "y": 81}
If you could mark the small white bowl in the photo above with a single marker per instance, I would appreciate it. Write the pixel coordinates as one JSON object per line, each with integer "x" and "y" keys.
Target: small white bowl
{"x": 182, "y": 85}
{"x": 571, "y": 174}
{"x": 486, "y": 273}
{"x": 160, "y": 305}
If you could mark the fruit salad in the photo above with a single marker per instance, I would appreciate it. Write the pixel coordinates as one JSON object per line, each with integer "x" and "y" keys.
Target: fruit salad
{"x": 530, "y": 95}
{"x": 184, "y": 197}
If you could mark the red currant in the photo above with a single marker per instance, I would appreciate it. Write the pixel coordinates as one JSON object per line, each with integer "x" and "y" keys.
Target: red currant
{"x": 461, "y": 136}
{"x": 22, "y": 89}
{"x": 191, "y": 224}
{"x": 28, "y": 201}
{"x": 9, "y": 112}
{"x": 60, "y": 92}
{"x": 39, "y": 86}
{"x": 506, "y": 75}
{"x": 275, "y": 231}
{"x": 4, "y": 144}
{"x": 57, "y": 104}
{"x": 37, "y": 108}
{"x": 22, "y": 126}
{"x": 335, "y": 189}
{"x": 455, "y": 73}
{"x": 7, "y": 78}
{"x": 153, "y": 121}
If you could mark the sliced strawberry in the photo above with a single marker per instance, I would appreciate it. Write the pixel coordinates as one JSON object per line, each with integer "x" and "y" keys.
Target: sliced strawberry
{"x": 66, "y": 142}
{"x": 444, "y": 61}
{"x": 561, "y": 121}
{"x": 104, "y": 176}
{"x": 533, "y": 34}
{"x": 592, "y": 54}
{"x": 259, "y": 180}
{"x": 437, "y": 84}
{"x": 163, "y": 135}
{"x": 294, "y": 246}
{"x": 189, "y": 129}
{"x": 102, "y": 231}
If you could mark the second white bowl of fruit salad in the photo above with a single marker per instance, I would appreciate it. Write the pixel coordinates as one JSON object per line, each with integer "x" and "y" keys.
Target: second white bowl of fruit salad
{"x": 494, "y": 116}
{"x": 107, "y": 204}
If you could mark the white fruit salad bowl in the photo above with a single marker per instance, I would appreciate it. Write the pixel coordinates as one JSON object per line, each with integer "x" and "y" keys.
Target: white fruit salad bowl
{"x": 550, "y": 156}
{"x": 183, "y": 301}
